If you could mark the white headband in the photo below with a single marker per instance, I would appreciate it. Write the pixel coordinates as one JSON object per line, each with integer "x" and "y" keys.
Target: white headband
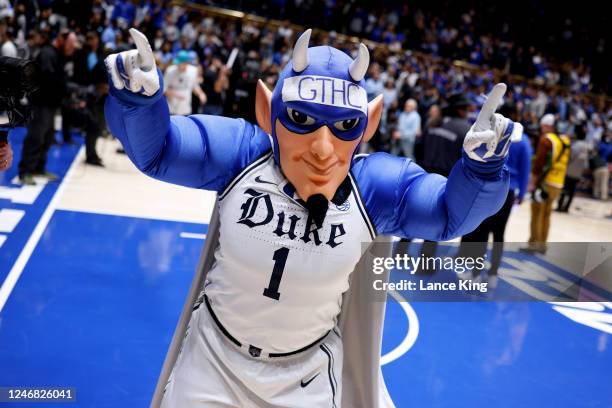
{"x": 325, "y": 91}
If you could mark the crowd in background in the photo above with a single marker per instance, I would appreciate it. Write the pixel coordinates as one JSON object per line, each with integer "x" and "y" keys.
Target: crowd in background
{"x": 535, "y": 39}
{"x": 414, "y": 70}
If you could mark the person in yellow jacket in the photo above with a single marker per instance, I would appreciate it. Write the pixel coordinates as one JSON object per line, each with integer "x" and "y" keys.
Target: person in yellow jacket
{"x": 546, "y": 182}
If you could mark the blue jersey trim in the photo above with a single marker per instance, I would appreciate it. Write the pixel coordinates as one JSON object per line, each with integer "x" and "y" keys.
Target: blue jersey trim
{"x": 362, "y": 208}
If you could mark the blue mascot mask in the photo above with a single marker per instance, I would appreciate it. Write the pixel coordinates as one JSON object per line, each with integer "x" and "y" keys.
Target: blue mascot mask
{"x": 317, "y": 115}
{"x": 321, "y": 86}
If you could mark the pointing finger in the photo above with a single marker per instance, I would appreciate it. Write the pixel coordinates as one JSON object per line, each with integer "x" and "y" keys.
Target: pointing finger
{"x": 145, "y": 54}
{"x": 483, "y": 121}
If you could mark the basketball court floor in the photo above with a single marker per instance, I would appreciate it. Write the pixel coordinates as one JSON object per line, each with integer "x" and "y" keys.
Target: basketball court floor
{"x": 94, "y": 270}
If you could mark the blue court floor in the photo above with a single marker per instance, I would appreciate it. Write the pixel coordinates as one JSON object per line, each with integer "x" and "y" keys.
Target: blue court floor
{"x": 98, "y": 296}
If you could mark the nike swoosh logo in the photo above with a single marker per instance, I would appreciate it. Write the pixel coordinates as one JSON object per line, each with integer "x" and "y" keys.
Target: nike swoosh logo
{"x": 259, "y": 180}
{"x": 305, "y": 383}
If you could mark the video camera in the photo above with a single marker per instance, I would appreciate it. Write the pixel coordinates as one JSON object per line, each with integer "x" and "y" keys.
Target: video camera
{"x": 18, "y": 79}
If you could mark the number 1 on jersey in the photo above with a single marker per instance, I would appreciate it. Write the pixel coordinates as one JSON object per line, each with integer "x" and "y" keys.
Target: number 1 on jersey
{"x": 280, "y": 258}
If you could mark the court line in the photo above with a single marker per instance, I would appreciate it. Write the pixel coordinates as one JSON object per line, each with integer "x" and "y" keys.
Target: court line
{"x": 9, "y": 218}
{"x": 411, "y": 334}
{"x": 192, "y": 235}
{"x": 26, "y": 252}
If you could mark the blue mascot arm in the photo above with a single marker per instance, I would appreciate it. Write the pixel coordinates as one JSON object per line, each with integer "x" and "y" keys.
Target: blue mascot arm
{"x": 198, "y": 151}
{"x": 404, "y": 200}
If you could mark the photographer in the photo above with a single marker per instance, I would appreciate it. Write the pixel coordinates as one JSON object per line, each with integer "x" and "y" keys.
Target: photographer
{"x": 83, "y": 108}
{"x": 18, "y": 79}
{"x": 45, "y": 103}
{"x": 78, "y": 111}
{"x": 546, "y": 182}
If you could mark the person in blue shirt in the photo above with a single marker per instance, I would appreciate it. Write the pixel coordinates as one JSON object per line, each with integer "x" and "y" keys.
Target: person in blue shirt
{"x": 474, "y": 244}
{"x": 409, "y": 128}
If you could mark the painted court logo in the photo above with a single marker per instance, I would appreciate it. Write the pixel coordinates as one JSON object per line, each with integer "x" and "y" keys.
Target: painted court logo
{"x": 597, "y": 315}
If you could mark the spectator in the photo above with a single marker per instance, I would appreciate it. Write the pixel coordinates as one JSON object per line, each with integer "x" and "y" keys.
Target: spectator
{"x": 216, "y": 83}
{"x": 181, "y": 80}
{"x": 374, "y": 84}
{"x": 124, "y": 13}
{"x": 578, "y": 162}
{"x": 285, "y": 31}
{"x": 601, "y": 170}
{"x": 45, "y": 102}
{"x": 7, "y": 46}
{"x": 86, "y": 109}
{"x": 595, "y": 130}
{"x": 171, "y": 31}
{"x": 409, "y": 127}
{"x": 434, "y": 117}
{"x": 547, "y": 177}
{"x": 389, "y": 94}
{"x": 6, "y": 10}
{"x": 430, "y": 96}
{"x": 164, "y": 55}
{"x": 538, "y": 105}
{"x": 442, "y": 145}
{"x": 109, "y": 36}
{"x": 429, "y": 78}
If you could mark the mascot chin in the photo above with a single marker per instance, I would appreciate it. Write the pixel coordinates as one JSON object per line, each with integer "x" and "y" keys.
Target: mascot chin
{"x": 280, "y": 313}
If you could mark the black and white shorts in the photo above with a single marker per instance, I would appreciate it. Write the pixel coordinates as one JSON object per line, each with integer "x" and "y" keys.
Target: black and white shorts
{"x": 212, "y": 371}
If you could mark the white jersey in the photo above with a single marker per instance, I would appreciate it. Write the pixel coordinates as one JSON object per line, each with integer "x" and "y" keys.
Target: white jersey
{"x": 277, "y": 282}
{"x": 181, "y": 83}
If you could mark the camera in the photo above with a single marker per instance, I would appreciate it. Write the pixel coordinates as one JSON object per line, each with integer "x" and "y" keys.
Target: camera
{"x": 18, "y": 79}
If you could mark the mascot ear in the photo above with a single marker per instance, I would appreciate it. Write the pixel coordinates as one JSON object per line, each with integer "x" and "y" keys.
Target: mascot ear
{"x": 374, "y": 113}
{"x": 263, "y": 107}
